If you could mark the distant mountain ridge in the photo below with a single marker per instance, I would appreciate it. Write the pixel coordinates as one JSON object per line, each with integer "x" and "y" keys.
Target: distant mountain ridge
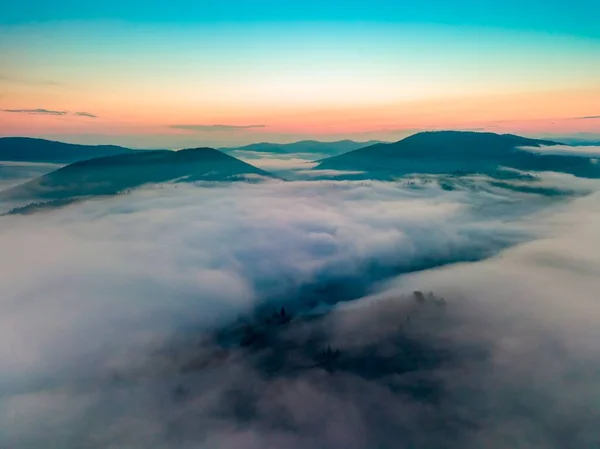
{"x": 303, "y": 146}
{"x": 442, "y": 152}
{"x": 114, "y": 174}
{"x": 28, "y": 149}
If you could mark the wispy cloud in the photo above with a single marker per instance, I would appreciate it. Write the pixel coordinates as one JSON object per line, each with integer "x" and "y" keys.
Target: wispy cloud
{"x": 28, "y": 81}
{"x": 41, "y": 111}
{"x": 85, "y": 114}
{"x": 569, "y": 150}
{"x": 203, "y": 128}
{"x": 37, "y": 111}
{"x": 587, "y": 117}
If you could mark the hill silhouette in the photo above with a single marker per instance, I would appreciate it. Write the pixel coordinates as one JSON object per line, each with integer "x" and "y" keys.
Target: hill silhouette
{"x": 27, "y": 149}
{"x": 114, "y": 174}
{"x": 443, "y": 152}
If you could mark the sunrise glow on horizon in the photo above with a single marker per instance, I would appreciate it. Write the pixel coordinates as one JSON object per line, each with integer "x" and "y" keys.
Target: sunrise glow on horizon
{"x": 227, "y": 76}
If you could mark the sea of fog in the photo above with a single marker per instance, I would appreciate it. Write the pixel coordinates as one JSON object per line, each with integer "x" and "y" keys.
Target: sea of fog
{"x": 284, "y": 315}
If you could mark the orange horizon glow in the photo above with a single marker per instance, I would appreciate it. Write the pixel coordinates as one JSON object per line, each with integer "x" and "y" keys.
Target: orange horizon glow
{"x": 528, "y": 113}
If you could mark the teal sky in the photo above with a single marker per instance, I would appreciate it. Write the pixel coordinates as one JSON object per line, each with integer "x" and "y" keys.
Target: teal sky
{"x": 575, "y": 17}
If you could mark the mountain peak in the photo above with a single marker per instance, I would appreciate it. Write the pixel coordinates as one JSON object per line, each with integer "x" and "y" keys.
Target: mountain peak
{"x": 450, "y": 136}
{"x": 439, "y": 152}
{"x": 113, "y": 174}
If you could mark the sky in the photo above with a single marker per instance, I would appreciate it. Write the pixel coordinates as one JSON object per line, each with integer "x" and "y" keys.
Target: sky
{"x": 224, "y": 73}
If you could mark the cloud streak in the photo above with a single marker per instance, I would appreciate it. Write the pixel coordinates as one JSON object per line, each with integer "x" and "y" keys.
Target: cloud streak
{"x": 588, "y": 117}
{"x": 38, "y": 111}
{"x": 41, "y": 111}
{"x": 216, "y": 128}
{"x": 85, "y": 114}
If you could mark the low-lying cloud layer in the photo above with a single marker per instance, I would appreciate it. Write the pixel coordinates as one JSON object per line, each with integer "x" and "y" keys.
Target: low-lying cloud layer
{"x": 508, "y": 357}
{"x": 572, "y": 150}
{"x": 16, "y": 173}
{"x": 276, "y": 163}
